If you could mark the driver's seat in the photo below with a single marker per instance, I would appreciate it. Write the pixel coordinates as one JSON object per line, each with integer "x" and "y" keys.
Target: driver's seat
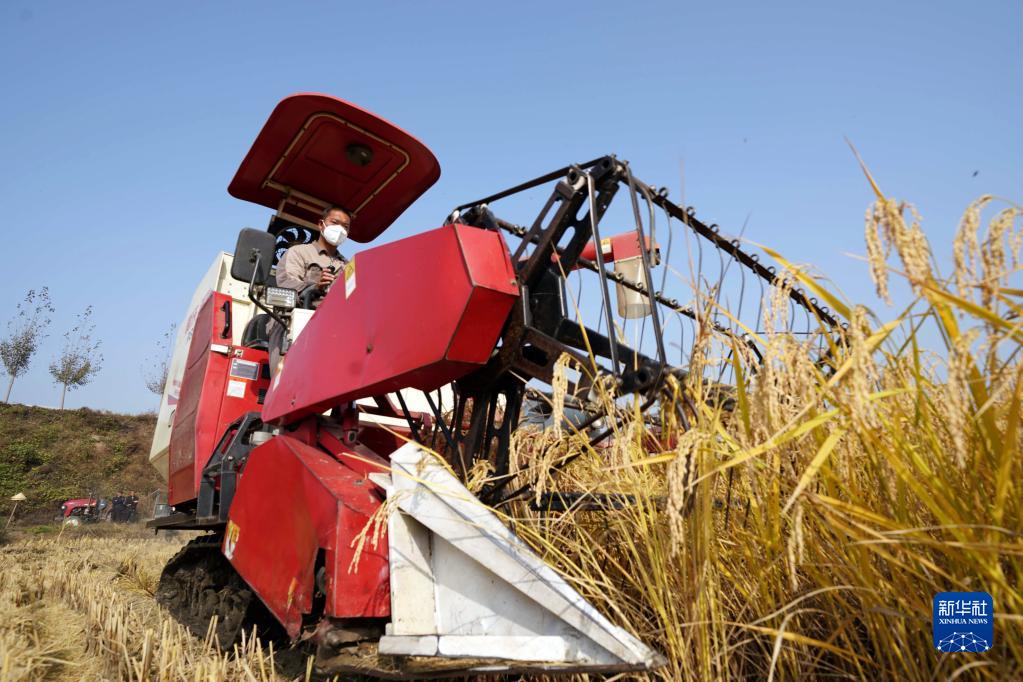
{"x": 255, "y": 335}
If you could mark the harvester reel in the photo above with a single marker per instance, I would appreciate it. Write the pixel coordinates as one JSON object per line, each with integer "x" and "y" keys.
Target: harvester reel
{"x": 644, "y": 353}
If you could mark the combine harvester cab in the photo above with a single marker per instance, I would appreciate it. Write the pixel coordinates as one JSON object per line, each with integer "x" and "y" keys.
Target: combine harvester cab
{"x": 297, "y": 473}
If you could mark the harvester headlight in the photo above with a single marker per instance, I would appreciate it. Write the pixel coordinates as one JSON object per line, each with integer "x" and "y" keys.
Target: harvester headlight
{"x": 279, "y": 297}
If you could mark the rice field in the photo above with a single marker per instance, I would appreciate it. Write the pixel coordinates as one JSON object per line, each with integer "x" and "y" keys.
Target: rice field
{"x": 799, "y": 530}
{"x": 803, "y": 532}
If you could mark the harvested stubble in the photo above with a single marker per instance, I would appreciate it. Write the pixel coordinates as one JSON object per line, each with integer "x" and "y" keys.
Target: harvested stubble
{"x": 94, "y": 595}
{"x": 830, "y": 506}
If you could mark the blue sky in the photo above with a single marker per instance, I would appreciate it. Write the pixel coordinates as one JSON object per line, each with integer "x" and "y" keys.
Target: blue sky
{"x": 123, "y": 122}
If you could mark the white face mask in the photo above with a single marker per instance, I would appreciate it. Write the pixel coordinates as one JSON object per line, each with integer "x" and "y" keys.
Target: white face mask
{"x": 334, "y": 234}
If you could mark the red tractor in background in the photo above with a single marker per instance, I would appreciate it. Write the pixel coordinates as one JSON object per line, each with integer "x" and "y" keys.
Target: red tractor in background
{"x": 80, "y": 510}
{"x": 434, "y": 342}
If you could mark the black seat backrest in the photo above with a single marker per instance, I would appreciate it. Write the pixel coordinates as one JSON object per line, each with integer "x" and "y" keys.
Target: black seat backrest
{"x": 255, "y": 335}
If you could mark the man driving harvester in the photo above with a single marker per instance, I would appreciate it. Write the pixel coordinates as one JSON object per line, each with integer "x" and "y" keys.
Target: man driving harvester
{"x": 304, "y": 266}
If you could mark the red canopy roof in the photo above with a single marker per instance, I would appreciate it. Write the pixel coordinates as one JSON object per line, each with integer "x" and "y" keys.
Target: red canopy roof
{"x": 316, "y": 150}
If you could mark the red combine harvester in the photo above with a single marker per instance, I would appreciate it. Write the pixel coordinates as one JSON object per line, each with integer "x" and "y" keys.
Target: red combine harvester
{"x": 442, "y": 341}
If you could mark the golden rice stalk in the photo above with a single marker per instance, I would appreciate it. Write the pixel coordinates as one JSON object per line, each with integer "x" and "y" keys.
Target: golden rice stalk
{"x": 966, "y": 247}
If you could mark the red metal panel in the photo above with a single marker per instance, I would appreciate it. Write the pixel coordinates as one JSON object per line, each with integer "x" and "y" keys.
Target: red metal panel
{"x": 292, "y": 501}
{"x": 246, "y": 377}
{"x": 420, "y": 313}
{"x": 490, "y": 271}
{"x": 618, "y": 247}
{"x": 220, "y": 383}
{"x": 338, "y": 153}
{"x": 198, "y": 409}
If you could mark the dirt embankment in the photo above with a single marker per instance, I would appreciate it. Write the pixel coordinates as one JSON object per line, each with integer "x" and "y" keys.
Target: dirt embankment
{"x": 52, "y": 455}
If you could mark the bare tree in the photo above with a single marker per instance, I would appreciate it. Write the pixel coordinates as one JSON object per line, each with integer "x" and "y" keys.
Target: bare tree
{"x": 156, "y": 376}
{"x": 24, "y": 334}
{"x": 80, "y": 360}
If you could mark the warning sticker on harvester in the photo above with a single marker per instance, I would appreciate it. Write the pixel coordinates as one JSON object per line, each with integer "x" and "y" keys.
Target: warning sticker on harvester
{"x": 244, "y": 369}
{"x": 605, "y": 246}
{"x": 235, "y": 389}
{"x": 349, "y": 277}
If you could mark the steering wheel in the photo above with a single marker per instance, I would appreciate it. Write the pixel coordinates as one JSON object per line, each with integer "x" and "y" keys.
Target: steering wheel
{"x": 310, "y": 294}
